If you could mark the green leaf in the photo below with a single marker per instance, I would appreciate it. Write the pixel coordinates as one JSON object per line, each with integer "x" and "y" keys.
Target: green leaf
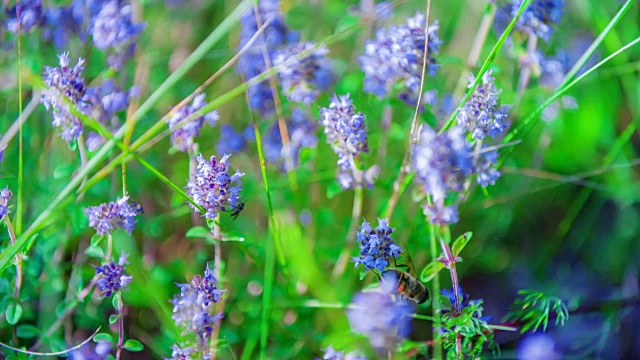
{"x": 27, "y": 331}
{"x": 115, "y": 303}
{"x": 95, "y": 251}
{"x": 13, "y": 313}
{"x": 198, "y": 232}
{"x": 113, "y": 318}
{"x": 333, "y": 189}
{"x": 430, "y": 271}
{"x": 103, "y": 337}
{"x": 96, "y": 239}
{"x": 460, "y": 243}
{"x": 133, "y": 345}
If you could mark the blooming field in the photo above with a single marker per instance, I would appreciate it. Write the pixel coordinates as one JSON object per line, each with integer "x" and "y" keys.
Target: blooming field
{"x": 328, "y": 179}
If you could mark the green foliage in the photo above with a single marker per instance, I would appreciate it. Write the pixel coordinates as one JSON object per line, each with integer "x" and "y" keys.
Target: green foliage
{"x": 535, "y": 309}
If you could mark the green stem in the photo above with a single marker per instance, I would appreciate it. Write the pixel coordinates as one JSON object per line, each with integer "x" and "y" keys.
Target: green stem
{"x": 269, "y": 256}
{"x": 435, "y": 291}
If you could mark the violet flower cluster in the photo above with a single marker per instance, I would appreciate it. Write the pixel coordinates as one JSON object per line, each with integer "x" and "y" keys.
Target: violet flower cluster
{"x": 5, "y": 196}
{"x": 66, "y": 85}
{"x": 384, "y": 321}
{"x": 230, "y": 141}
{"x": 114, "y": 31}
{"x": 552, "y": 72}
{"x": 184, "y": 132}
{"x": 538, "y": 19}
{"x": 192, "y": 311}
{"x": 66, "y": 89}
{"x": 252, "y": 62}
{"x": 301, "y": 128}
{"x": 332, "y": 354}
{"x": 376, "y": 246}
{"x": 483, "y": 115}
{"x": 213, "y": 188}
{"x": 112, "y": 277}
{"x": 397, "y": 56}
{"x": 347, "y": 134}
{"x": 303, "y": 80}
{"x": 443, "y": 163}
{"x": 106, "y": 217}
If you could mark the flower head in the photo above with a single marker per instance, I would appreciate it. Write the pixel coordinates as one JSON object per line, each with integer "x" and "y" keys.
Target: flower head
{"x": 65, "y": 84}
{"x": 183, "y": 133}
{"x": 384, "y": 321}
{"x": 113, "y": 277}
{"x": 107, "y": 216}
{"x": 179, "y": 353}
{"x": 213, "y": 188}
{"x": 5, "y": 196}
{"x": 113, "y": 28}
{"x": 396, "y": 56}
{"x": 31, "y": 15}
{"x": 193, "y": 307}
{"x": 482, "y": 115}
{"x": 345, "y": 129}
{"x": 376, "y": 245}
{"x": 303, "y": 80}
{"x": 442, "y": 163}
{"x": 537, "y": 19}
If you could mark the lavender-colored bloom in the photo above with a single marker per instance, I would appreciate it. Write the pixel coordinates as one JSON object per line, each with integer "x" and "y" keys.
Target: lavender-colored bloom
{"x": 396, "y": 56}
{"x": 230, "y": 141}
{"x": 538, "y": 19}
{"x": 252, "y": 62}
{"x": 346, "y": 132}
{"x": 345, "y": 129}
{"x": 192, "y": 309}
{"x": 376, "y": 246}
{"x": 303, "y": 80}
{"x": 113, "y": 277}
{"x": 106, "y": 217}
{"x": 552, "y": 73}
{"x": 213, "y": 188}
{"x": 182, "y": 134}
{"x": 31, "y": 15}
{"x": 483, "y": 115}
{"x": 442, "y": 163}
{"x": 384, "y": 321}
{"x": 301, "y": 129}
{"x": 332, "y": 354}
{"x": 113, "y": 28}
{"x": 5, "y": 196}
{"x": 484, "y": 167}
{"x": 65, "y": 85}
